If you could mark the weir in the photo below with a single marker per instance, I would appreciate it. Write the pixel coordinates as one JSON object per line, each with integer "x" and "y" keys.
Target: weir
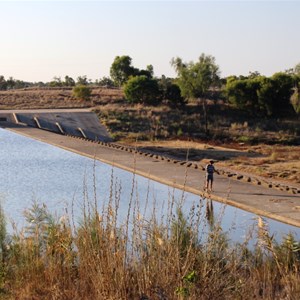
{"x": 82, "y": 123}
{"x": 65, "y": 182}
{"x": 252, "y": 194}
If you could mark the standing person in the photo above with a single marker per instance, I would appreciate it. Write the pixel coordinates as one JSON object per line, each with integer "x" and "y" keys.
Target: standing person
{"x": 210, "y": 170}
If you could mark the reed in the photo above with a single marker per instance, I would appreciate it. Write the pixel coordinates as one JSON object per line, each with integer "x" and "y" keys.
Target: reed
{"x": 183, "y": 255}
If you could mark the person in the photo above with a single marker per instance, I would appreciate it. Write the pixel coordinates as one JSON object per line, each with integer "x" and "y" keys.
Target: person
{"x": 210, "y": 170}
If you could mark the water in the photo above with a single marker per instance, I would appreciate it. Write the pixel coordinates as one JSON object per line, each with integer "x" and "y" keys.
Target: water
{"x": 35, "y": 171}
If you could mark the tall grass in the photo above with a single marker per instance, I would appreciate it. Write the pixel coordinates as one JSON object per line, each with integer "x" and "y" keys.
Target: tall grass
{"x": 166, "y": 257}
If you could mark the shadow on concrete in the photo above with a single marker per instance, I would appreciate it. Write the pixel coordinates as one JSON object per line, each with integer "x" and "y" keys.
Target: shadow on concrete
{"x": 9, "y": 125}
{"x": 264, "y": 194}
{"x": 198, "y": 154}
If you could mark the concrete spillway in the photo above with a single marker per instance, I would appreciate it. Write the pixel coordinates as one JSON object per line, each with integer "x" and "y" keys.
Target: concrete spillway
{"x": 81, "y": 123}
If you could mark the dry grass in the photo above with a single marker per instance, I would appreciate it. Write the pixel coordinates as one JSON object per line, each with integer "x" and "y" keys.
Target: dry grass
{"x": 43, "y": 98}
{"x": 275, "y": 162}
{"x": 142, "y": 258}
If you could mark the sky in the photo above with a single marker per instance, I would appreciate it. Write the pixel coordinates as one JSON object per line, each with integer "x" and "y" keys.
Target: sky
{"x": 44, "y": 39}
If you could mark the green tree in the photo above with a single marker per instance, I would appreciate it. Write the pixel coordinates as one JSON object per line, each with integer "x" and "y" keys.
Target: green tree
{"x": 261, "y": 95}
{"x": 283, "y": 90}
{"x": 295, "y": 100}
{"x": 82, "y": 80}
{"x": 235, "y": 91}
{"x": 69, "y": 81}
{"x": 56, "y": 82}
{"x": 195, "y": 79}
{"x": 148, "y": 72}
{"x": 3, "y": 84}
{"x": 150, "y": 69}
{"x": 297, "y": 69}
{"x": 142, "y": 89}
{"x": 105, "y": 82}
{"x": 19, "y": 84}
{"x": 121, "y": 69}
{"x": 82, "y": 92}
{"x": 170, "y": 91}
{"x": 10, "y": 82}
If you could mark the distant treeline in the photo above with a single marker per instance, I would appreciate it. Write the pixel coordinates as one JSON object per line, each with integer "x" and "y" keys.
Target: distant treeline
{"x": 256, "y": 94}
{"x": 11, "y": 83}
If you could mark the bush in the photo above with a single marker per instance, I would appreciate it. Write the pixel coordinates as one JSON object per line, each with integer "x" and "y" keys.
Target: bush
{"x": 295, "y": 99}
{"x": 82, "y": 92}
{"x": 142, "y": 89}
{"x": 171, "y": 93}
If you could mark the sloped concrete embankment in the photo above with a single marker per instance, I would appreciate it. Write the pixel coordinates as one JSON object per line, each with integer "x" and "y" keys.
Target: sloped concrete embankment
{"x": 81, "y": 124}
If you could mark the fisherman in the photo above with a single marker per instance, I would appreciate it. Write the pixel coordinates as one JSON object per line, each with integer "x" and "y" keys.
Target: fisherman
{"x": 210, "y": 170}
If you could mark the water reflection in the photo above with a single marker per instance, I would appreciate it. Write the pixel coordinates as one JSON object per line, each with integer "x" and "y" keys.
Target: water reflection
{"x": 210, "y": 213}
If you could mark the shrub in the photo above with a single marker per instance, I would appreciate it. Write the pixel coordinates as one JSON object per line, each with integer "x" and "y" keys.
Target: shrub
{"x": 295, "y": 99}
{"x": 142, "y": 89}
{"x": 82, "y": 92}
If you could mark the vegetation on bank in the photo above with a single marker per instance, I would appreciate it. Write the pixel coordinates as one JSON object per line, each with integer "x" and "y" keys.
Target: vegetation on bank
{"x": 277, "y": 95}
{"x": 82, "y": 92}
{"x": 153, "y": 258}
{"x": 197, "y": 104}
{"x": 222, "y": 125}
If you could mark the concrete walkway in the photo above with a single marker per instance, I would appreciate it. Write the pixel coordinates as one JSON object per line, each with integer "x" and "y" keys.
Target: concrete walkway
{"x": 259, "y": 199}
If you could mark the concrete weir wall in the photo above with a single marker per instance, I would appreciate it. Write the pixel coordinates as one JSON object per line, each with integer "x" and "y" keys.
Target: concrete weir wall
{"x": 80, "y": 123}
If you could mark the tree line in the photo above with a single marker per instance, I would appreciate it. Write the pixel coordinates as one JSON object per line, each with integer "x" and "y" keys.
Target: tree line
{"x": 261, "y": 95}
{"x": 256, "y": 94}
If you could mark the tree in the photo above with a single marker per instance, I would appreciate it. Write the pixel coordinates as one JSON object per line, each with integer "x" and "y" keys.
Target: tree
{"x": 283, "y": 90}
{"x": 195, "y": 79}
{"x": 105, "y": 82}
{"x": 121, "y": 69}
{"x": 260, "y": 95}
{"x": 69, "y": 81}
{"x": 297, "y": 69}
{"x": 82, "y": 92}
{"x": 56, "y": 82}
{"x": 3, "y": 84}
{"x": 235, "y": 91}
{"x": 295, "y": 98}
{"x": 148, "y": 72}
{"x": 142, "y": 89}
{"x": 170, "y": 91}
{"x": 150, "y": 69}
{"x": 82, "y": 80}
{"x": 10, "y": 82}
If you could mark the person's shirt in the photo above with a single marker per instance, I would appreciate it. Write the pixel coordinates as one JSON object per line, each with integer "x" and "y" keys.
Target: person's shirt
{"x": 210, "y": 169}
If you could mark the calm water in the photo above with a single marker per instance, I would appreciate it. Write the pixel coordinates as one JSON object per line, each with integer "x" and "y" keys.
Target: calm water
{"x": 34, "y": 171}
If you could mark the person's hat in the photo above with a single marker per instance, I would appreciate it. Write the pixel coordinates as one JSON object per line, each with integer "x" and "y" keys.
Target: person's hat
{"x": 211, "y": 161}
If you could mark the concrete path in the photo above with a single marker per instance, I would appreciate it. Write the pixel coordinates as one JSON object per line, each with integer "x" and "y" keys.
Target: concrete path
{"x": 259, "y": 199}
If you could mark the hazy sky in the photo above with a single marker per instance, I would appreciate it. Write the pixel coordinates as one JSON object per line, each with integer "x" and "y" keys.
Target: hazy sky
{"x": 43, "y": 39}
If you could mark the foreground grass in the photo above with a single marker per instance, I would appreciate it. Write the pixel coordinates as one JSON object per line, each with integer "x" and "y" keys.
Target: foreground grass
{"x": 141, "y": 259}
